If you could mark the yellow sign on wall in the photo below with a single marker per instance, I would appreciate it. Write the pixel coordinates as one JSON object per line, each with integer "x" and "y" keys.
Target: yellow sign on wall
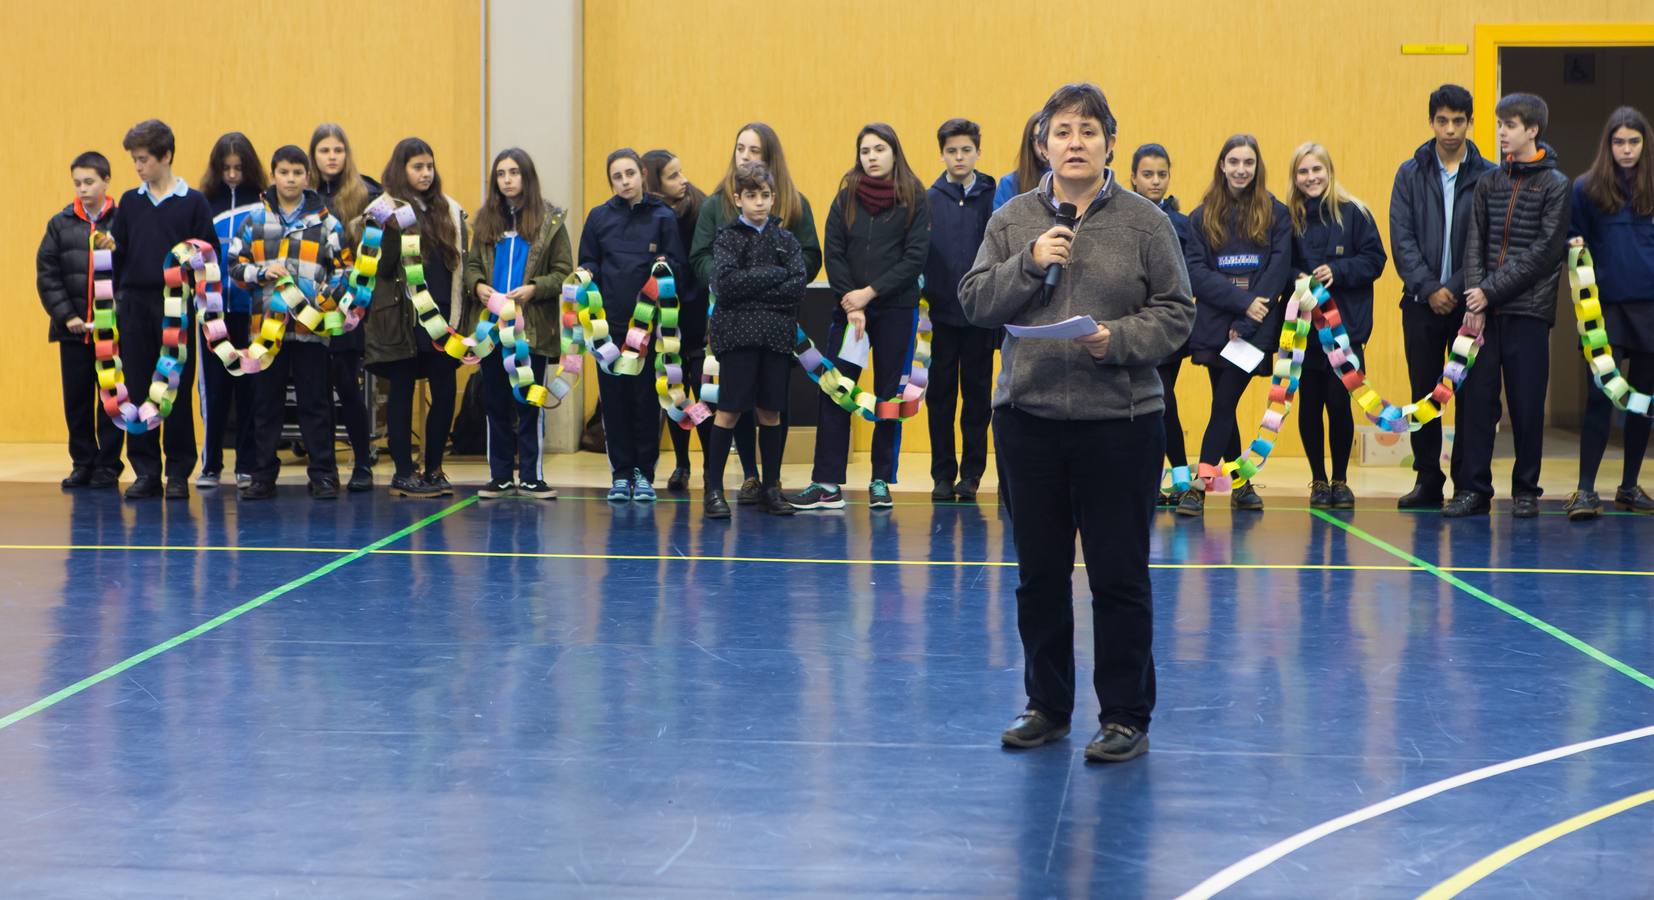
{"x": 1434, "y": 49}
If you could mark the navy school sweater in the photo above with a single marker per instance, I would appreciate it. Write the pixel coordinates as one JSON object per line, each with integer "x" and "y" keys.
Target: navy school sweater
{"x": 958, "y": 219}
{"x": 145, "y": 233}
{"x": 618, "y": 245}
{"x": 1355, "y": 253}
{"x": 1226, "y": 278}
{"x": 1621, "y": 245}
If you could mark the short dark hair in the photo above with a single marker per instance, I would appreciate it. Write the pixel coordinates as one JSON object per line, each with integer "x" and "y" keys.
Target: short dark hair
{"x": 953, "y": 128}
{"x": 1453, "y": 97}
{"x": 290, "y": 154}
{"x": 753, "y": 175}
{"x": 1085, "y": 97}
{"x": 152, "y": 135}
{"x": 1529, "y": 108}
{"x": 93, "y": 160}
{"x": 1148, "y": 150}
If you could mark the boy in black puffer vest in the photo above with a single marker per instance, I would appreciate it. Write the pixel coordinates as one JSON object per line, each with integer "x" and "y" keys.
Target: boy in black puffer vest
{"x": 758, "y": 279}
{"x": 1513, "y": 263}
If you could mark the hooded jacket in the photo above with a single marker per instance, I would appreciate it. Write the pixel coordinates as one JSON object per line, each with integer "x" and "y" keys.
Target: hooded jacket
{"x": 1519, "y": 236}
{"x": 1354, "y": 252}
{"x": 958, "y": 219}
{"x": 63, "y": 268}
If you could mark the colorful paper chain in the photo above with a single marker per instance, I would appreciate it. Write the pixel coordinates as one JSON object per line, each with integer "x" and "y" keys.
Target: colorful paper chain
{"x": 364, "y": 272}
{"x": 583, "y": 328}
{"x": 1593, "y": 336}
{"x": 1311, "y": 302}
{"x": 844, "y": 391}
{"x": 169, "y": 367}
{"x": 662, "y": 288}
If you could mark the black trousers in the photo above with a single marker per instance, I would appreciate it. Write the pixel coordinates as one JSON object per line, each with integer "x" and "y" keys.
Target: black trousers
{"x": 1322, "y": 392}
{"x": 437, "y": 369}
{"x": 1515, "y": 354}
{"x": 515, "y": 429}
{"x": 94, "y": 438}
{"x": 353, "y": 406}
{"x": 139, "y": 318}
{"x": 1099, "y": 478}
{"x": 692, "y": 363}
{"x": 631, "y": 420}
{"x": 961, "y": 365}
{"x": 890, "y": 332}
{"x": 1222, "y": 438}
{"x": 1426, "y": 338}
{"x": 308, "y": 366}
{"x": 1638, "y": 369}
{"x": 220, "y": 391}
{"x": 1175, "y": 454}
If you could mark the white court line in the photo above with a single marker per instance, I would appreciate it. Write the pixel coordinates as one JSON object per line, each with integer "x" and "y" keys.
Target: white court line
{"x": 1229, "y": 877}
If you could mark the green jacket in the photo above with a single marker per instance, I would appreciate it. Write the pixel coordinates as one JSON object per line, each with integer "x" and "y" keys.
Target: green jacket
{"x": 391, "y": 323}
{"x": 550, "y": 260}
{"x": 715, "y": 212}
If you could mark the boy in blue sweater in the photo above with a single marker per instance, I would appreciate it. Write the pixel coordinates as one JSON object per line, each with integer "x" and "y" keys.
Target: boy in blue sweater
{"x": 160, "y": 212}
{"x": 962, "y": 355}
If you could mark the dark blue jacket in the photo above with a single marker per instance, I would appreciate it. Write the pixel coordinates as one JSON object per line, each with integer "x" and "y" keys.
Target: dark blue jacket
{"x": 618, "y": 245}
{"x": 1621, "y": 245}
{"x": 1355, "y": 253}
{"x": 1180, "y": 221}
{"x": 1214, "y": 273}
{"x": 1008, "y": 187}
{"x": 957, "y": 222}
{"x": 1416, "y": 214}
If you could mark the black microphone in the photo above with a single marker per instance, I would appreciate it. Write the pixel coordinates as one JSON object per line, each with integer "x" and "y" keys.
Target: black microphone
{"x": 1067, "y": 216}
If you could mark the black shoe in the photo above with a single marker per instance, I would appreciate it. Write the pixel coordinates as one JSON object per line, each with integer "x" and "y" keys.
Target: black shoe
{"x": 679, "y": 480}
{"x": 775, "y": 504}
{"x": 716, "y": 506}
{"x": 178, "y": 489}
{"x": 147, "y": 487}
{"x": 815, "y": 497}
{"x": 965, "y": 490}
{"x": 361, "y": 479}
{"x": 1467, "y": 503}
{"x": 324, "y": 489}
{"x": 497, "y": 488}
{"x": 539, "y": 490}
{"x": 1342, "y": 496}
{"x": 438, "y": 482}
{"x": 79, "y": 477}
{"x": 1583, "y": 505}
{"x": 1032, "y": 729}
{"x": 1525, "y": 506}
{"x": 1168, "y": 499}
{"x": 1320, "y": 495}
{"x": 751, "y": 491}
{"x": 411, "y": 485}
{"x": 1632, "y": 499}
{"x": 1420, "y": 497}
{"x": 1192, "y": 503}
{"x": 941, "y": 493}
{"x": 1246, "y": 497}
{"x": 104, "y": 479}
{"x": 1117, "y": 743}
{"x": 259, "y": 490}
{"x": 878, "y": 496}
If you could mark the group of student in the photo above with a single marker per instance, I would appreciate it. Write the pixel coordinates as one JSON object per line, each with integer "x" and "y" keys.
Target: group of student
{"x": 1470, "y": 239}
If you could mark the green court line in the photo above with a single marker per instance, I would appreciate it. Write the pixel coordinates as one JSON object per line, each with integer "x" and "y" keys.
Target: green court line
{"x": 1509, "y": 610}
{"x": 221, "y": 619}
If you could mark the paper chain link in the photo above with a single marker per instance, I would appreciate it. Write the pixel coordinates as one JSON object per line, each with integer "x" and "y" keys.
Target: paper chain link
{"x": 1593, "y": 336}
{"x": 169, "y": 367}
{"x": 849, "y": 396}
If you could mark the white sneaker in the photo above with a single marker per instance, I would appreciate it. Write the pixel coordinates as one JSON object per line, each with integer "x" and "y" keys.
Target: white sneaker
{"x": 206, "y": 480}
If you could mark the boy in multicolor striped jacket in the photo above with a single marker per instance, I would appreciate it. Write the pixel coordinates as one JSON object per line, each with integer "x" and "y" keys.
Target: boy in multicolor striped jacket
{"x": 294, "y": 236}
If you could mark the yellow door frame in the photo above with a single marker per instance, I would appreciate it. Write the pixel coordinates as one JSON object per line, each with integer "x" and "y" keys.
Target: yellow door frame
{"x": 1489, "y": 38}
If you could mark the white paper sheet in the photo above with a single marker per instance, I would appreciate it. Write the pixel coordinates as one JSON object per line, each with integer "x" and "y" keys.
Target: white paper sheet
{"x": 1068, "y": 329}
{"x": 853, "y": 351}
{"x": 1245, "y": 356}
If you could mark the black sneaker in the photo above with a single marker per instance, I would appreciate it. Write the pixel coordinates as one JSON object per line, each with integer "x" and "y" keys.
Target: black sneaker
{"x": 1633, "y": 499}
{"x": 1420, "y": 497}
{"x": 1117, "y": 743}
{"x": 79, "y": 477}
{"x": 716, "y": 506}
{"x": 941, "y": 493}
{"x": 1032, "y": 729}
{"x": 539, "y": 490}
{"x": 1342, "y": 496}
{"x": 1583, "y": 505}
{"x": 178, "y": 489}
{"x": 751, "y": 492}
{"x": 815, "y": 497}
{"x": 1192, "y": 503}
{"x": 324, "y": 489}
{"x": 361, "y": 479}
{"x": 258, "y": 490}
{"x": 437, "y": 481}
{"x": 966, "y": 490}
{"x": 104, "y": 479}
{"x": 1320, "y": 495}
{"x": 1467, "y": 503}
{"x": 775, "y": 504}
{"x": 679, "y": 479}
{"x": 1246, "y": 497}
{"x": 1168, "y": 499}
{"x": 411, "y": 485}
{"x": 878, "y": 496}
{"x": 1525, "y": 506}
{"x": 497, "y": 488}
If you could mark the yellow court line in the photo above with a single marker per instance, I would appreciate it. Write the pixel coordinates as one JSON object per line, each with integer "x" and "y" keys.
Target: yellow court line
{"x": 504, "y": 554}
{"x": 1491, "y": 863}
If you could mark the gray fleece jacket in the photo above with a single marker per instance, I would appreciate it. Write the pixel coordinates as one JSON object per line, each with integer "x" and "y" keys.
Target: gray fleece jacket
{"x": 1126, "y": 272}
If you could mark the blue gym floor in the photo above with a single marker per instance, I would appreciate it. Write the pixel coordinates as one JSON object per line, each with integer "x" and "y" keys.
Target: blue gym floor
{"x": 395, "y": 698}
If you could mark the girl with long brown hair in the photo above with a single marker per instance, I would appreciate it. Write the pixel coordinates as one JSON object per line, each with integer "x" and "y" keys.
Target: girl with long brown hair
{"x": 663, "y": 177}
{"x": 234, "y": 180}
